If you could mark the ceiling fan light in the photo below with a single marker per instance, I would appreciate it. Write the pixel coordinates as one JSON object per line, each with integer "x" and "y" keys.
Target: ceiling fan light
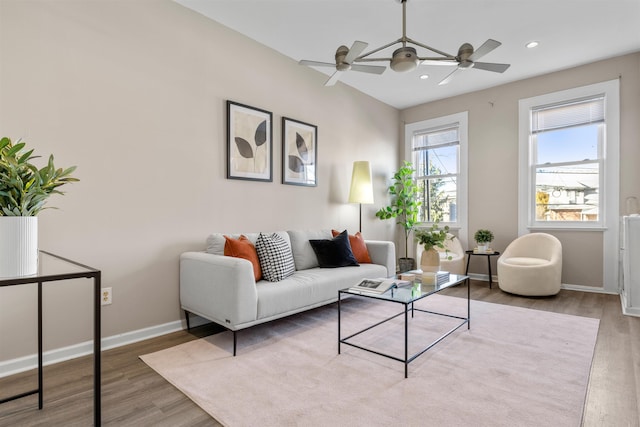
{"x": 404, "y": 59}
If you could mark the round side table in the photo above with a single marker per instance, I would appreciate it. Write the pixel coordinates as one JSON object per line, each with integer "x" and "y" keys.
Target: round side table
{"x": 488, "y": 255}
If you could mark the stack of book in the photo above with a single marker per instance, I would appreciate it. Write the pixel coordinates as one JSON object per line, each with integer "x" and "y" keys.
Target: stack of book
{"x": 442, "y": 277}
{"x": 435, "y": 278}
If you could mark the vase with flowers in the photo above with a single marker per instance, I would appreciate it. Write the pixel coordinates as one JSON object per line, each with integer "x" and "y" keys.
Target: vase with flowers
{"x": 432, "y": 238}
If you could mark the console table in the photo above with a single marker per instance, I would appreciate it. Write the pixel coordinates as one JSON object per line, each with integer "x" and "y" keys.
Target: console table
{"x": 52, "y": 268}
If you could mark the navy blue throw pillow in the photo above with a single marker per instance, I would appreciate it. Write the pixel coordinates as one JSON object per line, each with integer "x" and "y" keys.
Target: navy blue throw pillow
{"x": 334, "y": 252}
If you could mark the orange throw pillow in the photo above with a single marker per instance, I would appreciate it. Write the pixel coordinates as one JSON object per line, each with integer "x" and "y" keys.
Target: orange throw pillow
{"x": 358, "y": 247}
{"x": 243, "y": 248}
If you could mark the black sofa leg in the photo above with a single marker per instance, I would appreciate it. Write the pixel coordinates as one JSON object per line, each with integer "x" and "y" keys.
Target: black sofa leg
{"x": 234, "y": 343}
{"x": 186, "y": 315}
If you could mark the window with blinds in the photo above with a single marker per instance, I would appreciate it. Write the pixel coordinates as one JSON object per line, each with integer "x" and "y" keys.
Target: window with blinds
{"x": 566, "y": 146}
{"x": 436, "y": 159}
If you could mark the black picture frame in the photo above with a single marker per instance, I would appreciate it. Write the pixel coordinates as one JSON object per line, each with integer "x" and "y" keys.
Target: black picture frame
{"x": 249, "y": 143}
{"x": 299, "y": 153}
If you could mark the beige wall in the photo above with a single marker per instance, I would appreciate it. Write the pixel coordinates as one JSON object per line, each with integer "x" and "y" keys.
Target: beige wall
{"x": 493, "y": 157}
{"x": 133, "y": 92}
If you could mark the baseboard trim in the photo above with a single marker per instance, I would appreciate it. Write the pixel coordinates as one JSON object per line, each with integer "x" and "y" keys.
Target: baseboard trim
{"x": 567, "y": 286}
{"x": 21, "y": 364}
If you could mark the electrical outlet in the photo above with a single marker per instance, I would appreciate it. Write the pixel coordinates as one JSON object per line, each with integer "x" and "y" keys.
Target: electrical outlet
{"x": 106, "y": 296}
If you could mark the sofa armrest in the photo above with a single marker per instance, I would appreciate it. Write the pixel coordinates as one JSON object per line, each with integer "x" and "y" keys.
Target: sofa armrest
{"x": 383, "y": 253}
{"x": 218, "y": 288}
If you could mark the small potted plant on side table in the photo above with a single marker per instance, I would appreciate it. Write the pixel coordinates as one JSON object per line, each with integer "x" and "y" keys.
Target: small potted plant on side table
{"x": 483, "y": 238}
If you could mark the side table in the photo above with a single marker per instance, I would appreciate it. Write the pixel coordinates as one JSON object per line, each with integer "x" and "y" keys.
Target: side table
{"x": 52, "y": 268}
{"x": 488, "y": 255}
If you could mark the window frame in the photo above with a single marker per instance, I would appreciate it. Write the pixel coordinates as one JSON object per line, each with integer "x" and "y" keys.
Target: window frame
{"x": 608, "y": 159}
{"x": 462, "y": 120}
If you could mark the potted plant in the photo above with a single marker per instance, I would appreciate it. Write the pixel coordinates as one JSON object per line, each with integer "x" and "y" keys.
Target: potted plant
{"x": 432, "y": 238}
{"x": 483, "y": 238}
{"x": 404, "y": 207}
{"x": 24, "y": 190}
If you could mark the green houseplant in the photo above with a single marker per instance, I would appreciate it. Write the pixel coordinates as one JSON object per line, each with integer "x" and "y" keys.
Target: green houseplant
{"x": 483, "y": 238}
{"x": 432, "y": 238}
{"x": 24, "y": 190}
{"x": 404, "y": 207}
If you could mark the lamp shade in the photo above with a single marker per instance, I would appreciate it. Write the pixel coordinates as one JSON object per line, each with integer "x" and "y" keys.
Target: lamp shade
{"x": 361, "y": 186}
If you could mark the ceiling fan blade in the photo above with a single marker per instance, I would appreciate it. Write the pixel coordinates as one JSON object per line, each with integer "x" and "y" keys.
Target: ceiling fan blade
{"x": 447, "y": 62}
{"x": 486, "y": 47}
{"x": 450, "y": 76}
{"x": 356, "y": 49}
{"x": 316, "y": 63}
{"x": 491, "y": 66}
{"x": 333, "y": 79}
{"x": 373, "y": 69}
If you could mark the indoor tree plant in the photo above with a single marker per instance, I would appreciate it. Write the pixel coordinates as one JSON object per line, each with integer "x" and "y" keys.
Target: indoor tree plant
{"x": 404, "y": 207}
{"x": 432, "y": 238}
{"x": 483, "y": 238}
{"x": 24, "y": 190}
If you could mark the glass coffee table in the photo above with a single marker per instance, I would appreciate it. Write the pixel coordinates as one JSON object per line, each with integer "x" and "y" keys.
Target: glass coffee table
{"x": 406, "y": 297}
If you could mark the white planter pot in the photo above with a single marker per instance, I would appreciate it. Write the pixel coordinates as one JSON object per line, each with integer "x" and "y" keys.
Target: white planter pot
{"x": 18, "y": 246}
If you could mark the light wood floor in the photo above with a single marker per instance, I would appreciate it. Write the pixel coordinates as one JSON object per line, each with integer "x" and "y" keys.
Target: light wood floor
{"x": 134, "y": 395}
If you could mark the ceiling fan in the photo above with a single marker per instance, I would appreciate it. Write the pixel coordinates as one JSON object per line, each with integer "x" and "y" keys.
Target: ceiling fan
{"x": 467, "y": 58}
{"x": 406, "y": 58}
{"x": 344, "y": 62}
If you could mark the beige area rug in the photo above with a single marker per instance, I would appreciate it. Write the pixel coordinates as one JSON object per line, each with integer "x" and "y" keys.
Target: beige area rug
{"x": 514, "y": 367}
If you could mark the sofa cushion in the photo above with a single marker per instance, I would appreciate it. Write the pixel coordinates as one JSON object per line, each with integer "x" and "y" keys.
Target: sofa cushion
{"x": 333, "y": 253}
{"x": 358, "y": 247}
{"x": 243, "y": 248}
{"x": 275, "y": 257}
{"x": 303, "y": 254}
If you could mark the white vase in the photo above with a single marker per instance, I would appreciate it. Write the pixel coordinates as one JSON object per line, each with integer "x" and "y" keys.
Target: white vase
{"x": 482, "y": 247}
{"x": 18, "y": 246}
{"x": 430, "y": 261}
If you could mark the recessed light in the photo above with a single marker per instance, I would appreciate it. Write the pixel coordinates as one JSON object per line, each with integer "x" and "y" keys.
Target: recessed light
{"x": 424, "y": 76}
{"x": 532, "y": 44}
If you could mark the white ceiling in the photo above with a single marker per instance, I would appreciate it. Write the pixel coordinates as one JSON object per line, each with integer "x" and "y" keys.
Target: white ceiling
{"x": 570, "y": 32}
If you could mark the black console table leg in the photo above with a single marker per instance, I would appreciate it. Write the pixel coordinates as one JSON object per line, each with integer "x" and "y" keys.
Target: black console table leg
{"x": 40, "y": 358}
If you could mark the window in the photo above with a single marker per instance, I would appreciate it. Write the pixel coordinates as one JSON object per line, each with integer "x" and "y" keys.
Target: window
{"x": 568, "y": 160}
{"x": 566, "y": 149}
{"x": 438, "y": 150}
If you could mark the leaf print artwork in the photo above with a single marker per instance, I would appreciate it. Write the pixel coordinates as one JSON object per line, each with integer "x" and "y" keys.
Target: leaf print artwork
{"x": 299, "y": 153}
{"x": 249, "y": 143}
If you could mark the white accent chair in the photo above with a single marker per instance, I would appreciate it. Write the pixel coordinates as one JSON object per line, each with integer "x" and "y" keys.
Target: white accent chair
{"x": 531, "y": 265}
{"x": 456, "y": 264}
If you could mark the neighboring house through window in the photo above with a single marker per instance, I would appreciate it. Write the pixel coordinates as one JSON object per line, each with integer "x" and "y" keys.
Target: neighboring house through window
{"x": 437, "y": 148}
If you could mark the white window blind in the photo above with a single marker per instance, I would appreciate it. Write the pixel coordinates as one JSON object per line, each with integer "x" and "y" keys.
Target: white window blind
{"x": 576, "y": 113}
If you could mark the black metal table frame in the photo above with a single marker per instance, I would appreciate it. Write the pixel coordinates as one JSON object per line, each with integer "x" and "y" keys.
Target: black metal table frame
{"x": 408, "y": 306}
{"x": 89, "y": 273}
{"x": 488, "y": 255}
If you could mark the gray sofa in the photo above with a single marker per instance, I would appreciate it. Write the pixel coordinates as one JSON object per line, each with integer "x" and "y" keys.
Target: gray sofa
{"x": 223, "y": 288}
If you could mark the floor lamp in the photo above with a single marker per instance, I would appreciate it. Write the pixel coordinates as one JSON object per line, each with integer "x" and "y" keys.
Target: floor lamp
{"x": 361, "y": 186}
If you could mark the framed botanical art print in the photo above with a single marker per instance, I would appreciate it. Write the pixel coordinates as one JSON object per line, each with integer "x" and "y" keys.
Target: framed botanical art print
{"x": 249, "y": 143}
{"x": 299, "y": 153}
